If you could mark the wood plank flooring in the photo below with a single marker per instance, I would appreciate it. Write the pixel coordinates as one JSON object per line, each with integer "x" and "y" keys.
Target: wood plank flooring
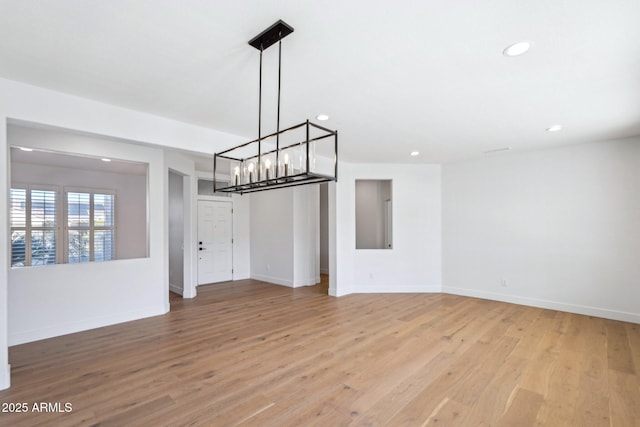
{"x": 253, "y": 354}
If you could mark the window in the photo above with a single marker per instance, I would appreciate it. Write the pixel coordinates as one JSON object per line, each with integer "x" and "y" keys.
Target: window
{"x": 90, "y": 228}
{"x": 33, "y": 218}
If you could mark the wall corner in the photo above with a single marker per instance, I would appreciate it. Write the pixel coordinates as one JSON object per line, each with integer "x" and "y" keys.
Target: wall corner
{"x": 5, "y": 378}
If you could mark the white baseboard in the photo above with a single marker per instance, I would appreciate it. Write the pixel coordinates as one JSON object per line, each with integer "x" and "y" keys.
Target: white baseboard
{"x": 374, "y": 289}
{"x": 551, "y": 305}
{"x": 285, "y": 282}
{"x": 397, "y": 289}
{"x": 342, "y": 292}
{"x": 177, "y": 289}
{"x": 241, "y": 276}
{"x": 190, "y": 292}
{"x": 23, "y": 337}
{"x": 271, "y": 279}
{"x": 5, "y": 377}
{"x": 312, "y": 281}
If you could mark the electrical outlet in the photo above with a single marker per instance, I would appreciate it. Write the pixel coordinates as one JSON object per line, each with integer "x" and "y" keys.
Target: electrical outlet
{"x": 503, "y": 282}
{"x": 371, "y": 276}
{"x": 268, "y": 267}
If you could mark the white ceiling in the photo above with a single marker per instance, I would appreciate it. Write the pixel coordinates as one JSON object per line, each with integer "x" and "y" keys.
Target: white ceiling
{"x": 393, "y": 76}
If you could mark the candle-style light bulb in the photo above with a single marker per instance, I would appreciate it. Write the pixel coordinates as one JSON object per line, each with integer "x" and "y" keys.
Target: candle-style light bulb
{"x": 267, "y": 166}
{"x": 251, "y": 167}
{"x": 302, "y": 158}
{"x": 286, "y": 164}
{"x": 236, "y": 174}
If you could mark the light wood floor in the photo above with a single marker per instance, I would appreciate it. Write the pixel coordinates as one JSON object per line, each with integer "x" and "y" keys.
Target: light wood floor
{"x": 254, "y": 354}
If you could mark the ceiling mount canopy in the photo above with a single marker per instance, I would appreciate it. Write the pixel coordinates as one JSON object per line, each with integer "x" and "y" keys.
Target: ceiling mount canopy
{"x": 271, "y": 35}
{"x": 305, "y": 153}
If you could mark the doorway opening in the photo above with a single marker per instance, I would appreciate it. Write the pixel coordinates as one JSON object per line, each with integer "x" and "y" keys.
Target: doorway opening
{"x": 176, "y": 234}
{"x": 324, "y": 238}
{"x": 215, "y": 241}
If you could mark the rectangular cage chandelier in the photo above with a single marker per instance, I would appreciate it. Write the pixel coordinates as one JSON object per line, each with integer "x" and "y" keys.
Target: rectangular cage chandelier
{"x": 305, "y": 153}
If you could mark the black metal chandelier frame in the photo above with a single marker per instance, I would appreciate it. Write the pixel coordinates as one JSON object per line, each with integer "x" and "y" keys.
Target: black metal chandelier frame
{"x": 283, "y": 174}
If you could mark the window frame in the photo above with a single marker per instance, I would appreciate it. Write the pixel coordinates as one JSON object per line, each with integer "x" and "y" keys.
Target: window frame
{"x": 29, "y": 228}
{"x": 91, "y": 228}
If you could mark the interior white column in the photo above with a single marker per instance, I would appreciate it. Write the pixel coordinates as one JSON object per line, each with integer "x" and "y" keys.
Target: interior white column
{"x": 5, "y": 373}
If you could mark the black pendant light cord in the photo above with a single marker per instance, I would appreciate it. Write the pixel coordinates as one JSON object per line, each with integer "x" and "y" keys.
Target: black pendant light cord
{"x": 278, "y": 116}
{"x": 260, "y": 106}
{"x": 260, "y": 115}
{"x": 279, "y": 80}
{"x": 260, "y": 99}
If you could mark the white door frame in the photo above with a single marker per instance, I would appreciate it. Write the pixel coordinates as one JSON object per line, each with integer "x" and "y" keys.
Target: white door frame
{"x": 189, "y": 188}
{"x": 195, "y": 240}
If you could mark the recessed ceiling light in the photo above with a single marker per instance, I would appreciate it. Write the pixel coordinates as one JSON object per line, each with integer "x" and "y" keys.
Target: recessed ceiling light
{"x": 26, "y": 149}
{"x": 516, "y": 49}
{"x": 104, "y": 159}
{"x": 415, "y": 153}
{"x": 322, "y": 117}
{"x": 554, "y": 128}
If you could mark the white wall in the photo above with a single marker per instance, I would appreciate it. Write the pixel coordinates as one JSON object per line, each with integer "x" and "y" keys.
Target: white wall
{"x": 560, "y": 226}
{"x": 306, "y": 235}
{"x": 143, "y": 283}
{"x": 176, "y": 233}
{"x": 414, "y": 263}
{"x": 272, "y": 236}
{"x": 285, "y": 245}
{"x": 332, "y": 241}
{"x": 241, "y": 237}
{"x": 324, "y": 228}
{"x": 59, "y": 299}
{"x": 5, "y": 253}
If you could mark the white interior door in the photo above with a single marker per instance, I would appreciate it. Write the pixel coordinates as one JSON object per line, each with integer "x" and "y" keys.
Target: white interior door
{"x": 215, "y": 244}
